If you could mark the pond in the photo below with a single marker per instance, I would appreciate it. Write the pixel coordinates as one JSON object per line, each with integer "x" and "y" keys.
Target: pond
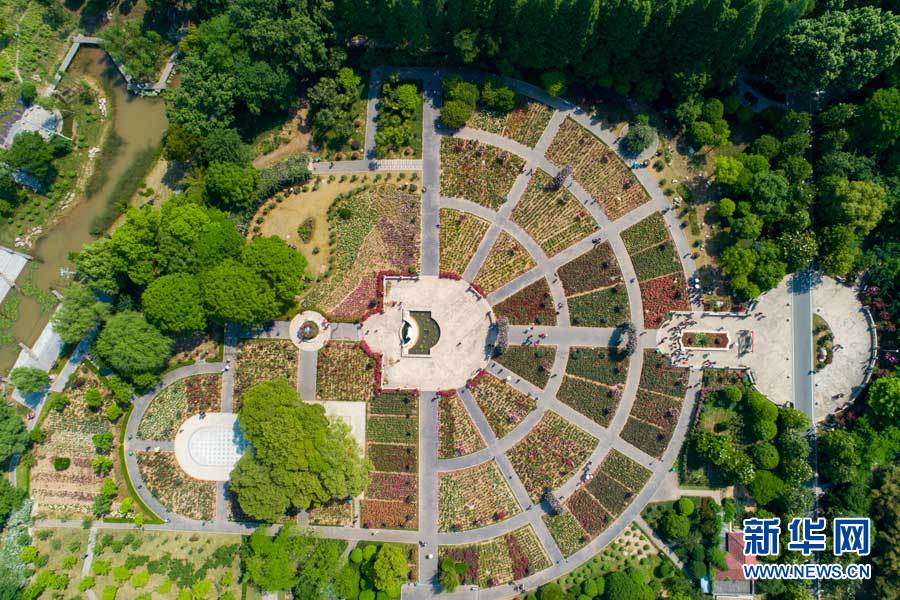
{"x": 140, "y": 122}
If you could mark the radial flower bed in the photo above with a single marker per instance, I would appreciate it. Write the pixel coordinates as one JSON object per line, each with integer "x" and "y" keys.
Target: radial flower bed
{"x": 603, "y": 308}
{"x": 597, "y": 168}
{"x": 477, "y": 172}
{"x": 553, "y": 218}
{"x": 461, "y": 233}
{"x": 661, "y": 296}
{"x": 596, "y": 268}
{"x": 382, "y": 514}
{"x": 499, "y": 560}
{"x": 177, "y": 491}
{"x": 344, "y": 372}
{"x": 658, "y": 375}
{"x": 656, "y": 261}
{"x": 647, "y": 437}
{"x": 474, "y": 497}
{"x": 643, "y": 234}
{"x": 526, "y": 123}
{"x": 589, "y": 513}
{"x": 503, "y": 406}
{"x": 531, "y": 363}
{"x": 507, "y": 260}
{"x": 610, "y": 493}
{"x": 629, "y": 473}
{"x": 532, "y": 305}
{"x": 257, "y": 361}
{"x": 603, "y": 365}
{"x": 174, "y": 404}
{"x": 567, "y": 532}
{"x": 596, "y": 402}
{"x": 457, "y": 434}
{"x": 658, "y": 409}
{"x": 550, "y": 454}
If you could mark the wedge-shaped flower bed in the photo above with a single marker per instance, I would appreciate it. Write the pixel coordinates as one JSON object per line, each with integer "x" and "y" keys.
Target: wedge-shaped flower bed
{"x": 344, "y": 372}
{"x": 461, "y": 233}
{"x": 387, "y": 514}
{"x": 626, "y": 471}
{"x": 658, "y": 409}
{"x": 507, "y": 260}
{"x": 503, "y": 406}
{"x": 532, "y": 305}
{"x": 392, "y": 429}
{"x": 662, "y": 295}
{"x": 393, "y": 458}
{"x": 592, "y": 517}
{"x": 393, "y": 486}
{"x": 389, "y": 403}
{"x": 597, "y": 168}
{"x": 647, "y": 437}
{"x": 643, "y": 234}
{"x": 498, "y": 561}
{"x": 554, "y": 218}
{"x": 529, "y": 362}
{"x": 610, "y": 493}
{"x": 597, "y": 268}
{"x": 175, "y": 490}
{"x": 524, "y": 124}
{"x": 477, "y": 172}
{"x": 656, "y": 261}
{"x": 567, "y": 532}
{"x": 550, "y": 454}
{"x": 596, "y": 402}
{"x": 257, "y": 361}
{"x": 603, "y": 308}
{"x": 474, "y": 497}
{"x": 457, "y": 434}
{"x": 603, "y": 365}
{"x": 658, "y": 375}
{"x": 184, "y": 398}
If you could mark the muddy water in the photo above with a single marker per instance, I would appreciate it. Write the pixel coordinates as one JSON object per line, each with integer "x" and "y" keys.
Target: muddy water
{"x": 140, "y": 122}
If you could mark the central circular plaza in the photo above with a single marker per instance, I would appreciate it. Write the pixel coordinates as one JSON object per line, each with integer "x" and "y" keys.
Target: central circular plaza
{"x": 432, "y": 333}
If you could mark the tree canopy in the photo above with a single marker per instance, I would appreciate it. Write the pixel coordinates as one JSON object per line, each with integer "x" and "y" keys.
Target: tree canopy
{"x": 131, "y": 345}
{"x": 80, "y": 313}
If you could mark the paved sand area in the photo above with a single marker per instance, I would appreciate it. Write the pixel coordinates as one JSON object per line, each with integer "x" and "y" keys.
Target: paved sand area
{"x": 463, "y": 316}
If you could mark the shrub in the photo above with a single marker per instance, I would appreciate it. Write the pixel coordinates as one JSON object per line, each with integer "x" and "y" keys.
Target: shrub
{"x": 639, "y": 138}
{"x": 554, "y": 83}
{"x": 61, "y": 463}
{"x": 686, "y": 506}
{"x": 29, "y": 380}
{"x": 455, "y": 113}
{"x": 85, "y": 584}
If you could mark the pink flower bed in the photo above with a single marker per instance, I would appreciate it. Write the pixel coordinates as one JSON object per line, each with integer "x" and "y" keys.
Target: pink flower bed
{"x": 662, "y": 295}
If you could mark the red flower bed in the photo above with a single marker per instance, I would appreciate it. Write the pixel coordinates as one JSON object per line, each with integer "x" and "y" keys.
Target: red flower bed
{"x": 662, "y": 295}
{"x": 528, "y": 306}
{"x": 660, "y": 410}
{"x": 388, "y": 514}
{"x": 449, "y": 275}
{"x": 358, "y": 303}
{"x": 596, "y": 268}
{"x": 521, "y": 567}
{"x": 392, "y": 486}
{"x": 473, "y": 383}
{"x": 588, "y": 512}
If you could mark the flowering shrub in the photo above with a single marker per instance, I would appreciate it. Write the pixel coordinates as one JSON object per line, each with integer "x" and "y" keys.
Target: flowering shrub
{"x": 257, "y": 361}
{"x": 659, "y": 376}
{"x": 176, "y": 403}
{"x": 656, "y": 261}
{"x": 647, "y": 437}
{"x": 566, "y": 532}
{"x": 385, "y": 514}
{"x": 645, "y": 233}
{"x": 595, "y": 401}
{"x": 533, "y": 364}
{"x": 392, "y": 486}
{"x": 603, "y": 365}
{"x": 588, "y": 512}
{"x": 344, "y": 372}
{"x": 603, "y": 308}
{"x": 477, "y": 172}
{"x": 177, "y": 491}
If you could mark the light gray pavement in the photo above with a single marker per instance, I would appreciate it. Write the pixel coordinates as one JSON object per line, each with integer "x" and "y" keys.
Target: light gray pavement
{"x": 344, "y": 332}
{"x": 306, "y": 380}
{"x": 428, "y": 490}
{"x": 89, "y": 560}
{"x": 431, "y": 178}
{"x": 364, "y": 166}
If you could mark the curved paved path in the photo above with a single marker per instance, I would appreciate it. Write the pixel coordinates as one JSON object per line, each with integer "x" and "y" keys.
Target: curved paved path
{"x": 563, "y": 336}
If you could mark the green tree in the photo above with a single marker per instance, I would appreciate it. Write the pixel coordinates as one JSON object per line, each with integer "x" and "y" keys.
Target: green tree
{"x": 701, "y": 135}
{"x": 29, "y": 380}
{"x": 13, "y": 436}
{"x": 639, "y": 137}
{"x": 685, "y": 506}
{"x": 498, "y": 97}
{"x": 80, "y": 313}
{"x": 103, "y": 442}
{"x": 765, "y": 455}
{"x": 97, "y": 262}
{"x": 300, "y": 458}
{"x": 280, "y": 266}
{"x": 131, "y": 345}
{"x": 765, "y": 487}
{"x": 233, "y": 292}
{"x": 554, "y": 82}
{"x": 838, "y": 250}
{"x": 268, "y": 562}
{"x": 134, "y": 246}
{"x": 10, "y": 499}
{"x": 738, "y": 263}
{"x": 224, "y": 145}
{"x": 675, "y": 526}
{"x": 231, "y": 186}
{"x": 391, "y": 569}
{"x": 29, "y": 152}
{"x": 620, "y": 586}
{"x": 884, "y": 398}
{"x": 27, "y": 92}
{"x": 877, "y": 124}
{"x": 857, "y": 204}
{"x": 454, "y": 114}
{"x": 174, "y": 304}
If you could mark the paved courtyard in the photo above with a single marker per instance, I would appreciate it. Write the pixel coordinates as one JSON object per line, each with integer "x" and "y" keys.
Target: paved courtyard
{"x": 464, "y": 318}
{"x": 208, "y": 446}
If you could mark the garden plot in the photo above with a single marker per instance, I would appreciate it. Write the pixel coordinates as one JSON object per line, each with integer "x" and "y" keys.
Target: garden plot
{"x": 567, "y": 532}
{"x": 616, "y": 482}
{"x": 654, "y": 415}
{"x": 597, "y": 168}
{"x": 649, "y": 438}
{"x": 507, "y": 260}
{"x": 503, "y": 406}
{"x": 603, "y": 365}
{"x": 457, "y": 434}
{"x": 658, "y": 375}
{"x": 603, "y": 308}
{"x": 256, "y": 361}
{"x": 646, "y": 233}
{"x": 392, "y": 435}
{"x": 626, "y": 471}
{"x": 336, "y": 513}
{"x": 461, "y": 234}
{"x": 370, "y": 230}
{"x": 596, "y": 402}
{"x": 657, "y": 409}
{"x": 524, "y": 124}
{"x": 532, "y": 305}
{"x": 64, "y": 551}
{"x": 474, "y": 497}
{"x": 174, "y": 404}
{"x": 166, "y": 565}
{"x": 529, "y": 362}
{"x": 174, "y": 489}
{"x": 589, "y": 513}
{"x": 553, "y": 218}
{"x": 69, "y": 435}
{"x": 499, "y": 560}
{"x": 477, "y": 172}
{"x": 597, "y": 268}
{"x": 610, "y": 493}
{"x": 550, "y": 454}
{"x": 344, "y": 372}
{"x": 661, "y": 296}
{"x": 656, "y": 261}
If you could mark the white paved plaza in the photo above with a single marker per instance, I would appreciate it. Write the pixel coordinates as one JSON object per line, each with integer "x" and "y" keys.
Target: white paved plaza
{"x": 463, "y": 316}
{"x": 207, "y": 447}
